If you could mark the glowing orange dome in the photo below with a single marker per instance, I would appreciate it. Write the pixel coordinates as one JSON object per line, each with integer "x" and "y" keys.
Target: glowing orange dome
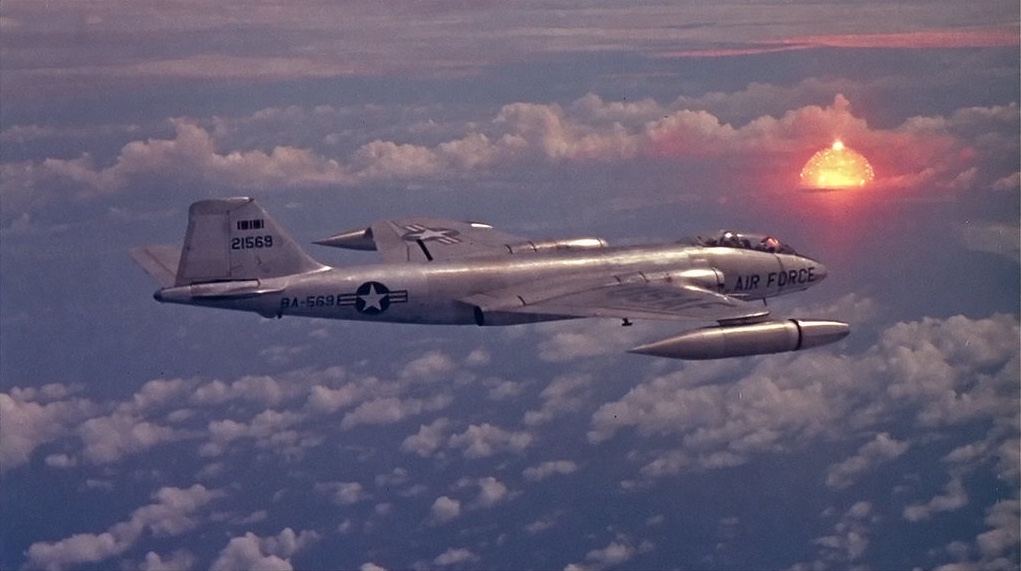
{"x": 836, "y": 167}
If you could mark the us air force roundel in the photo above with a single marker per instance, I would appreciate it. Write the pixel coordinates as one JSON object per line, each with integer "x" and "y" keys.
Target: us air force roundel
{"x": 372, "y": 298}
{"x": 419, "y": 233}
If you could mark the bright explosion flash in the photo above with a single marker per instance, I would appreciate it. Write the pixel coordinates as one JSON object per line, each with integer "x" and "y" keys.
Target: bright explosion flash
{"x": 836, "y": 167}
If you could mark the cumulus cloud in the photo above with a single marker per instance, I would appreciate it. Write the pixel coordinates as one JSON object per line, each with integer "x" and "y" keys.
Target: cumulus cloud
{"x": 850, "y": 537}
{"x": 454, "y": 556}
{"x": 428, "y": 439}
{"x": 880, "y": 450}
{"x": 954, "y": 497}
{"x": 326, "y": 400}
{"x": 271, "y": 553}
{"x": 270, "y": 429}
{"x": 444, "y": 509}
{"x": 929, "y": 151}
{"x": 343, "y": 493}
{"x": 620, "y": 550}
{"x": 1002, "y": 518}
{"x": 391, "y": 410}
{"x": 260, "y": 389}
{"x": 27, "y": 423}
{"x": 433, "y": 366}
{"x": 573, "y": 340}
{"x": 176, "y": 561}
{"x": 108, "y": 438}
{"x": 171, "y": 515}
{"x": 484, "y": 440}
{"x": 938, "y": 372}
{"x": 549, "y": 468}
{"x": 565, "y": 393}
{"x": 491, "y": 492}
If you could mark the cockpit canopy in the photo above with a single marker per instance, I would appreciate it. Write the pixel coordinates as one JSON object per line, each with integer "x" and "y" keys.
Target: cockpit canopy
{"x": 744, "y": 241}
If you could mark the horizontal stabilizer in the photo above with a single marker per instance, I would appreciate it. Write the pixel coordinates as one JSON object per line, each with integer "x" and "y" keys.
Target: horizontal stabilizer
{"x": 217, "y": 290}
{"x": 159, "y": 262}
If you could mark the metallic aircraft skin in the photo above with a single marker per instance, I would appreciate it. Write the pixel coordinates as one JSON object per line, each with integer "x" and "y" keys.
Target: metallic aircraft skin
{"x": 452, "y": 273}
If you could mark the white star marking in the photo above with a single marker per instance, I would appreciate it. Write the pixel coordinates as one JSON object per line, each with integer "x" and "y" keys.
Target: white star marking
{"x": 373, "y": 299}
{"x": 430, "y": 234}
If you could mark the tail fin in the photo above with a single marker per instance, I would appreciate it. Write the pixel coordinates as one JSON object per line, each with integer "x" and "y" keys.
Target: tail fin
{"x": 235, "y": 239}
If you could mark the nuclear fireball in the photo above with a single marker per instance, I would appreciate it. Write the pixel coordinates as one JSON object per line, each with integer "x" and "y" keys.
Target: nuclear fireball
{"x": 836, "y": 167}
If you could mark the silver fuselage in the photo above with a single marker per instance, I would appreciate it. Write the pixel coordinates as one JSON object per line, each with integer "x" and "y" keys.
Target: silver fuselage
{"x": 435, "y": 292}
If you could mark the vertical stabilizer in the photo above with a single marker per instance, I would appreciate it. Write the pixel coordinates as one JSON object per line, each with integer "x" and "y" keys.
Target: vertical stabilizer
{"x": 235, "y": 239}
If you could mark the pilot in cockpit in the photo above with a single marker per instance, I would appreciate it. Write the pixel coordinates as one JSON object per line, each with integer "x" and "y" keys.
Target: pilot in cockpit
{"x": 759, "y": 242}
{"x": 769, "y": 244}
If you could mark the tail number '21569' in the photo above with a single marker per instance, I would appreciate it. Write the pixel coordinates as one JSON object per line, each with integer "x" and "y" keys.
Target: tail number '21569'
{"x": 251, "y": 242}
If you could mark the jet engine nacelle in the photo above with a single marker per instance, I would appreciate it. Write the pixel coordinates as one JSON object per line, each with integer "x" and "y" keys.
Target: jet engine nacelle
{"x": 569, "y": 244}
{"x": 743, "y": 340}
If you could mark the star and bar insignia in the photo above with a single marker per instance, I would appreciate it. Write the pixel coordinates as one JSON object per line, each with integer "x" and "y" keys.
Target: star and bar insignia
{"x": 372, "y": 298}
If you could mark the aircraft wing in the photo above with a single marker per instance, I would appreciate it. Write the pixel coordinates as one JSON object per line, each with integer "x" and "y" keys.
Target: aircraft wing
{"x": 422, "y": 239}
{"x": 634, "y": 296}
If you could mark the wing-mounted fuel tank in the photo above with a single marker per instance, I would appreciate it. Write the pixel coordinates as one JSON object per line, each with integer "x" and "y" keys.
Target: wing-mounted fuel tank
{"x": 743, "y": 340}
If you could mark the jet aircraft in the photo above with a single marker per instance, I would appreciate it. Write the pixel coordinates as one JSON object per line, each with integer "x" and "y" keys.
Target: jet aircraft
{"x": 435, "y": 271}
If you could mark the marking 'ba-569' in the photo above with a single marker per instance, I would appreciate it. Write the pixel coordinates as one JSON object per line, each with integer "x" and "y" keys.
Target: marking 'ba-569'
{"x": 435, "y": 271}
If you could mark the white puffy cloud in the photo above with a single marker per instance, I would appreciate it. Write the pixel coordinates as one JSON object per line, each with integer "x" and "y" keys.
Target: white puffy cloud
{"x": 565, "y": 393}
{"x": 428, "y": 439}
{"x": 924, "y": 153}
{"x": 155, "y": 394}
{"x": 546, "y": 522}
{"x": 454, "y": 556}
{"x": 580, "y": 339}
{"x": 26, "y": 423}
{"x": 179, "y": 560}
{"x": 390, "y": 410}
{"x": 879, "y": 450}
{"x": 501, "y": 389}
{"x": 850, "y": 537}
{"x": 938, "y": 372}
{"x": 271, "y": 553}
{"x": 261, "y": 389}
{"x": 484, "y": 440}
{"x": 1002, "y": 517}
{"x": 549, "y": 468}
{"x": 343, "y": 493}
{"x": 171, "y": 515}
{"x": 444, "y": 509}
{"x": 619, "y": 551}
{"x": 270, "y": 429}
{"x": 491, "y": 492}
{"x": 108, "y": 438}
{"x": 433, "y": 366}
{"x": 954, "y": 497}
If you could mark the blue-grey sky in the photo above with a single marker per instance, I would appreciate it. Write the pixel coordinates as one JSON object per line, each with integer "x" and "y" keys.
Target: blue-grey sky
{"x": 138, "y": 435}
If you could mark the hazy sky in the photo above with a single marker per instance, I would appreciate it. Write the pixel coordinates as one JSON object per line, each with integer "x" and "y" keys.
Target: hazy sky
{"x": 140, "y": 435}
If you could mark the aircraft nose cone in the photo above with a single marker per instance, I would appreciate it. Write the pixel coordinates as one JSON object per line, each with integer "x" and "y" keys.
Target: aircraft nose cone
{"x": 819, "y": 272}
